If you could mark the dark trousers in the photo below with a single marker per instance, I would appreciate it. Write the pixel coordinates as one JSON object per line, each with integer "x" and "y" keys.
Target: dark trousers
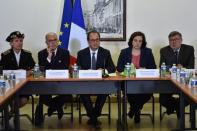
{"x": 170, "y": 102}
{"x": 93, "y": 111}
{"x": 55, "y": 102}
{"x": 137, "y": 101}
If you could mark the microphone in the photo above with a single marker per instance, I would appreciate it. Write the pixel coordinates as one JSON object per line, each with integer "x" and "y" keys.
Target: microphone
{"x": 104, "y": 75}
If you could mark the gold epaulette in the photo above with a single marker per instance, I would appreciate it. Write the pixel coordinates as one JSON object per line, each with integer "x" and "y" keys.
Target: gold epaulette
{"x": 6, "y": 52}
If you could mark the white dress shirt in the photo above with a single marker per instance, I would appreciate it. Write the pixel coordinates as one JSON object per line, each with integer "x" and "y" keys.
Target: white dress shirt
{"x": 17, "y": 55}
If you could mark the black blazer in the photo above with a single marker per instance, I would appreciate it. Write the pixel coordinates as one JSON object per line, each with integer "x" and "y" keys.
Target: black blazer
{"x": 146, "y": 59}
{"x": 8, "y": 60}
{"x": 185, "y": 56}
{"x": 61, "y": 60}
{"x": 104, "y": 59}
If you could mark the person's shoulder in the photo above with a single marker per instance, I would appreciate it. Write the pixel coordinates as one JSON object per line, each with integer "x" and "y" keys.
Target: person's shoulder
{"x": 7, "y": 52}
{"x": 187, "y": 46}
{"x": 147, "y": 50}
{"x": 26, "y": 51}
{"x": 85, "y": 50}
{"x": 165, "y": 48}
{"x": 63, "y": 50}
{"x": 42, "y": 51}
{"x": 125, "y": 50}
{"x": 104, "y": 50}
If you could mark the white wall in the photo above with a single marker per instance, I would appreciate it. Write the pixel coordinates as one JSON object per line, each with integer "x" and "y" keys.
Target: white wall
{"x": 156, "y": 18}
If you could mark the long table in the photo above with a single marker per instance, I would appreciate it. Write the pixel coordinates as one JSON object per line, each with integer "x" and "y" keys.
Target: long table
{"x": 7, "y": 94}
{"x": 75, "y": 86}
{"x": 190, "y": 94}
{"x": 145, "y": 86}
{"x": 105, "y": 86}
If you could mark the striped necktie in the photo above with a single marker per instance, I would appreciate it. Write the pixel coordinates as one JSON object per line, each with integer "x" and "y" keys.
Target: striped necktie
{"x": 175, "y": 57}
{"x": 93, "y": 62}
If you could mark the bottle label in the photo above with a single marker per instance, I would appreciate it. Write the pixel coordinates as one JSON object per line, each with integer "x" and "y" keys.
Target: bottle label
{"x": 193, "y": 83}
{"x": 2, "y": 83}
{"x": 182, "y": 74}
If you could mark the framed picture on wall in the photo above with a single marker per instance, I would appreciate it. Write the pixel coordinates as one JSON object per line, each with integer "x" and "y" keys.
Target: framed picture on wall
{"x": 107, "y": 17}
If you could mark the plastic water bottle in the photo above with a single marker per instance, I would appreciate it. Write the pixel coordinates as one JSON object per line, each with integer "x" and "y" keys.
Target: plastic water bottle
{"x": 163, "y": 70}
{"x": 178, "y": 74}
{"x": 132, "y": 70}
{"x": 75, "y": 71}
{"x": 12, "y": 76}
{"x": 174, "y": 72}
{"x": 36, "y": 71}
{"x": 193, "y": 81}
{"x": 2, "y": 83}
{"x": 127, "y": 70}
{"x": 182, "y": 77}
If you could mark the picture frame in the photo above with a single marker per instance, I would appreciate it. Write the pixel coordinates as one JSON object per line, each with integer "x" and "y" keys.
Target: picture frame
{"x": 108, "y": 17}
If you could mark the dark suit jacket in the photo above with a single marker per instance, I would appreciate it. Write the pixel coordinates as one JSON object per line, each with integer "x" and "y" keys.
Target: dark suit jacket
{"x": 146, "y": 59}
{"x": 104, "y": 59}
{"x": 185, "y": 56}
{"x": 61, "y": 60}
{"x": 8, "y": 60}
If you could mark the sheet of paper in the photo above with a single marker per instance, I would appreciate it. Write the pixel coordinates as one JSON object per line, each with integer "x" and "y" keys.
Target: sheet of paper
{"x": 90, "y": 73}
{"x": 19, "y": 74}
{"x": 147, "y": 73}
{"x": 57, "y": 74}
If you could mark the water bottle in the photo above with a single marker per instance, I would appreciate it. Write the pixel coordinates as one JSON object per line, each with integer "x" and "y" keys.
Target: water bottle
{"x": 182, "y": 77}
{"x": 174, "y": 72}
{"x": 12, "y": 76}
{"x": 75, "y": 71}
{"x": 193, "y": 82}
{"x": 132, "y": 70}
{"x": 178, "y": 74}
{"x": 163, "y": 70}
{"x": 36, "y": 71}
{"x": 127, "y": 70}
{"x": 2, "y": 83}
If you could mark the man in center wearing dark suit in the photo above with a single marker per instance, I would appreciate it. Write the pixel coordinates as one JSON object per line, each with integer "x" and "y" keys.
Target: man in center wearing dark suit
{"x": 96, "y": 58}
{"x": 183, "y": 56}
{"x": 53, "y": 57}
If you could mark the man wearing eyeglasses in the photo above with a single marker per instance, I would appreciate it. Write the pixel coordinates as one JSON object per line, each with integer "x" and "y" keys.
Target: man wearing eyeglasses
{"x": 53, "y": 57}
{"x": 183, "y": 56}
{"x": 96, "y": 58}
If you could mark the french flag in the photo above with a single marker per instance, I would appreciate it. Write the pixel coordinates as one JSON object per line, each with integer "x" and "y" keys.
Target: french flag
{"x": 77, "y": 35}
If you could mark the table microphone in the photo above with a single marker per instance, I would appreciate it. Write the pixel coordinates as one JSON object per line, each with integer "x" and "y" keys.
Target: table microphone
{"x": 104, "y": 75}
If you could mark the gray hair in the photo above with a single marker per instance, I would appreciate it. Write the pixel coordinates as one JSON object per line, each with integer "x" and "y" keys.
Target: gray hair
{"x": 50, "y": 34}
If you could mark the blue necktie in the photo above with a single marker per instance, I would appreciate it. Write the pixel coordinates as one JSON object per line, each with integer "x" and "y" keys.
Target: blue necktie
{"x": 93, "y": 61}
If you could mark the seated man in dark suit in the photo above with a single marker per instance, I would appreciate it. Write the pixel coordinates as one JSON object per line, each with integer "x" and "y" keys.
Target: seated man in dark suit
{"x": 17, "y": 58}
{"x": 96, "y": 58}
{"x": 52, "y": 57}
{"x": 183, "y": 56}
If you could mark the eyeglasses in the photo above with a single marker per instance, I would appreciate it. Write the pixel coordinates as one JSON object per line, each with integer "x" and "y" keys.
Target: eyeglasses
{"x": 94, "y": 40}
{"x": 52, "y": 41}
{"x": 175, "y": 39}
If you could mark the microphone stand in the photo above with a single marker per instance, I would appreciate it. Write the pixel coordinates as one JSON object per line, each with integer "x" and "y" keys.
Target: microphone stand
{"x": 104, "y": 75}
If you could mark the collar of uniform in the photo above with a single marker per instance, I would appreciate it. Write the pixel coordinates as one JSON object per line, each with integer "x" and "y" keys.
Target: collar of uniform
{"x": 17, "y": 54}
{"x": 91, "y": 51}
